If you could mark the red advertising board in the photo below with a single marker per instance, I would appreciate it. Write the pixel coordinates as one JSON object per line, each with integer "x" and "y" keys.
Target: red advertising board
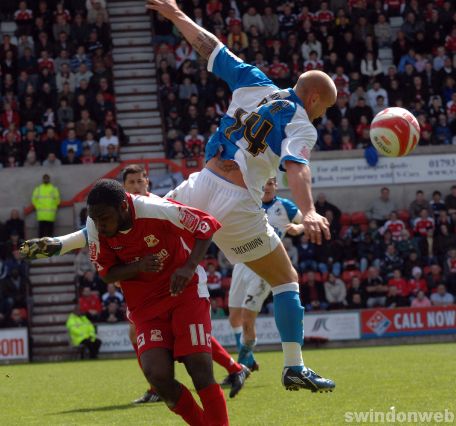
{"x": 13, "y": 344}
{"x": 408, "y": 321}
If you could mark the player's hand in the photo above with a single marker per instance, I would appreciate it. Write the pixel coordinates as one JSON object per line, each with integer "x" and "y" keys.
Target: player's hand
{"x": 167, "y": 8}
{"x": 294, "y": 229}
{"x": 40, "y": 248}
{"x": 150, "y": 263}
{"x": 314, "y": 226}
{"x": 179, "y": 280}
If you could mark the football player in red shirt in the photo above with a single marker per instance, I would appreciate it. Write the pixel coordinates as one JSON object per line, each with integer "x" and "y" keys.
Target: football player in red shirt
{"x": 141, "y": 242}
{"x": 135, "y": 181}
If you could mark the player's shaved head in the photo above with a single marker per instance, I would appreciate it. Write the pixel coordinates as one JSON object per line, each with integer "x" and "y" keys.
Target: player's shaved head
{"x": 317, "y": 92}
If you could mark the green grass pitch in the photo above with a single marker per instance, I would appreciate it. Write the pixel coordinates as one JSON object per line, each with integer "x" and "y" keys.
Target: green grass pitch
{"x": 410, "y": 378}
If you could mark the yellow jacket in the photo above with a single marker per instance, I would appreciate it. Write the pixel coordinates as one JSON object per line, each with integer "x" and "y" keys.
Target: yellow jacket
{"x": 80, "y": 328}
{"x": 46, "y": 200}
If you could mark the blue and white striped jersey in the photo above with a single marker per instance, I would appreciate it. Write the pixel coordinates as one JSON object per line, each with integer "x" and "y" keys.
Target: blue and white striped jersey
{"x": 281, "y": 212}
{"x": 264, "y": 125}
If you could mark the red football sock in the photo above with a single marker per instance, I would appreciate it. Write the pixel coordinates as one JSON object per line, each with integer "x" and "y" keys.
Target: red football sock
{"x": 222, "y": 357}
{"x": 214, "y": 404}
{"x": 188, "y": 409}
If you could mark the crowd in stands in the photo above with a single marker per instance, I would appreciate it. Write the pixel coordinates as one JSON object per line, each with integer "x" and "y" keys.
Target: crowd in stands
{"x": 56, "y": 95}
{"x": 388, "y": 256}
{"x": 14, "y": 281}
{"x": 350, "y": 40}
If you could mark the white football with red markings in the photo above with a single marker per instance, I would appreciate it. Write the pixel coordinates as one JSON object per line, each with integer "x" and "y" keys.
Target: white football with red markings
{"x": 395, "y": 132}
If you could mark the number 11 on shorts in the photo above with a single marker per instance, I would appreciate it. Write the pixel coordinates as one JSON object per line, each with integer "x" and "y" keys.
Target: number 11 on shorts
{"x": 198, "y": 336}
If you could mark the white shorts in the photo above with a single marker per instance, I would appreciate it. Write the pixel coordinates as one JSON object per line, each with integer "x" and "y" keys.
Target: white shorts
{"x": 248, "y": 290}
{"x": 245, "y": 234}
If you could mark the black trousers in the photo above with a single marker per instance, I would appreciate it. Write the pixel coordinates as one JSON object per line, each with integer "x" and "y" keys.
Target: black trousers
{"x": 45, "y": 229}
{"x": 91, "y": 347}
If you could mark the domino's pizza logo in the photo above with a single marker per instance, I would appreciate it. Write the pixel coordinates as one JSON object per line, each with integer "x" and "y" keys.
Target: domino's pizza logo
{"x": 378, "y": 323}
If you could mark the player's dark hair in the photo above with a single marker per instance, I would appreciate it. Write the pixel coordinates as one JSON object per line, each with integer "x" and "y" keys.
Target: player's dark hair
{"x": 133, "y": 169}
{"x": 108, "y": 192}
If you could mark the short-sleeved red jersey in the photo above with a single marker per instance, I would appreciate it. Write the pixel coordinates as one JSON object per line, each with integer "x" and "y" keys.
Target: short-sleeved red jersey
{"x": 161, "y": 227}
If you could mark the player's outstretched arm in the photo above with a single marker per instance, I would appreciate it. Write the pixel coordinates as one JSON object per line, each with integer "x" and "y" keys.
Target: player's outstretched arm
{"x": 299, "y": 181}
{"x": 202, "y": 41}
{"x": 39, "y": 248}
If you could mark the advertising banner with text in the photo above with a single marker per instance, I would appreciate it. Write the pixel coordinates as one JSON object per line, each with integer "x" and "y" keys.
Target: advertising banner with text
{"x": 14, "y": 344}
{"x": 388, "y": 171}
{"x": 408, "y": 321}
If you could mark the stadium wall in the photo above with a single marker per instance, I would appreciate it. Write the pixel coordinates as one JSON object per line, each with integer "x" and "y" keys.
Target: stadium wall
{"x": 17, "y": 186}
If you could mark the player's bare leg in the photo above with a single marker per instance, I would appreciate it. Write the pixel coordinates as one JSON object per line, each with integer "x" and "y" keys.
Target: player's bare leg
{"x": 150, "y": 395}
{"x": 276, "y": 269}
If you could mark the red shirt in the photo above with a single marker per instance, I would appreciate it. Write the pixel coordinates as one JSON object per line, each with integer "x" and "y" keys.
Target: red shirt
{"x": 395, "y": 227}
{"x": 90, "y": 303}
{"x": 159, "y": 227}
{"x": 324, "y": 16}
{"x": 401, "y": 284}
{"x": 422, "y": 226}
{"x": 416, "y": 285}
{"x": 214, "y": 280}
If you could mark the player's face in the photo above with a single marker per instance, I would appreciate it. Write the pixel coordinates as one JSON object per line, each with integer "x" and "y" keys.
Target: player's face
{"x": 136, "y": 183}
{"x": 270, "y": 190}
{"x": 108, "y": 220}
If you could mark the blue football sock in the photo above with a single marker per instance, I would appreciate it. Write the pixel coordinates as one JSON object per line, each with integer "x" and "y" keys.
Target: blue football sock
{"x": 237, "y": 335}
{"x": 289, "y": 314}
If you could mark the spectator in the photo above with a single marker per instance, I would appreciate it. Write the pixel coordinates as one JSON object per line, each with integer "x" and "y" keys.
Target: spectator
{"x": 111, "y": 155}
{"x": 382, "y": 207}
{"x": 393, "y": 225}
{"x": 417, "y": 283}
{"x": 418, "y": 204}
{"x": 71, "y": 143}
{"x": 82, "y": 264}
{"x": 83, "y": 334}
{"x": 394, "y": 298}
{"x": 322, "y": 206}
{"x": 374, "y": 92}
{"x": 52, "y": 160}
{"x": 15, "y": 225}
{"x": 16, "y": 319}
{"x": 401, "y": 284}
{"x": 421, "y": 300}
{"x": 214, "y": 281}
{"x": 292, "y": 251}
{"x": 335, "y": 292}
{"x": 108, "y": 139}
{"x": 112, "y": 295}
{"x": 89, "y": 304}
{"x": 270, "y": 22}
{"x": 306, "y": 254}
{"x": 46, "y": 200}
{"x": 355, "y": 294}
{"x": 14, "y": 287}
{"x": 312, "y": 293}
{"x": 441, "y": 297}
{"x": 216, "y": 311}
{"x": 450, "y": 200}
{"x": 112, "y": 313}
{"x": 376, "y": 290}
{"x": 423, "y": 224}
{"x": 437, "y": 205}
